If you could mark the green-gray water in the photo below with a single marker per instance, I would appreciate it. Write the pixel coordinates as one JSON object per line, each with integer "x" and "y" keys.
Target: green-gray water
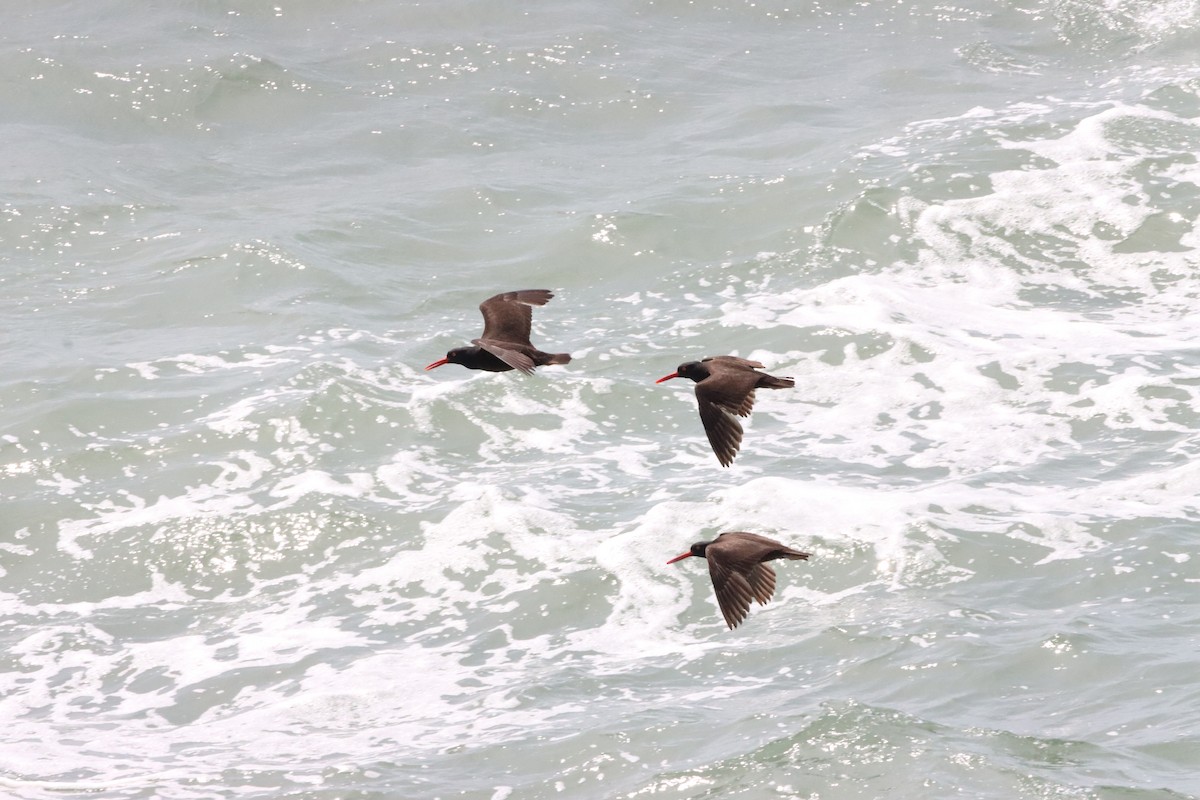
{"x": 249, "y": 548}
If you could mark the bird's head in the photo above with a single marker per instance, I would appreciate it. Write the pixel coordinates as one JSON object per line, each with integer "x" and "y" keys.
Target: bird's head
{"x": 696, "y": 550}
{"x": 692, "y": 369}
{"x": 456, "y": 356}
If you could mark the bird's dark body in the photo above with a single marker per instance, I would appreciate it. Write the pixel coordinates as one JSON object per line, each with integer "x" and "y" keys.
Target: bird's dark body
{"x": 738, "y": 569}
{"x": 504, "y": 344}
{"x": 479, "y": 358}
{"x": 725, "y": 387}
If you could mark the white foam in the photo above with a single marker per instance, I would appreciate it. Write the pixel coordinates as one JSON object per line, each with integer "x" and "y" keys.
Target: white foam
{"x": 652, "y": 596}
{"x": 291, "y": 489}
{"x": 963, "y": 304}
{"x": 458, "y": 543}
{"x": 201, "y": 364}
{"x": 947, "y": 394}
{"x": 214, "y": 500}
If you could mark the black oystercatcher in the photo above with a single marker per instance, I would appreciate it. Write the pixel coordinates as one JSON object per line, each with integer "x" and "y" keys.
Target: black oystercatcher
{"x": 725, "y": 386}
{"x": 504, "y": 344}
{"x": 735, "y": 564}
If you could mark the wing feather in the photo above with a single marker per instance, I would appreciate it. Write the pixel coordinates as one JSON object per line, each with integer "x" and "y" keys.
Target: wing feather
{"x": 508, "y": 316}
{"x": 761, "y": 579}
{"x": 733, "y": 361}
{"x": 732, "y": 390}
{"x": 733, "y": 592}
{"x": 724, "y": 432}
{"x": 739, "y": 576}
{"x": 513, "y": 358}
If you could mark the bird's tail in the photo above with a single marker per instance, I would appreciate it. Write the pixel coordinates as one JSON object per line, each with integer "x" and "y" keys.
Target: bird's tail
{"x": 771, "y": 382}
{"x": 795, "y": 555}
{"x": 559, "y": 358}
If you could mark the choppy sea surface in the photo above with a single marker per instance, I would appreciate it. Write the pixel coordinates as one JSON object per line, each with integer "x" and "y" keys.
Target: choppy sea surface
{"x": 249, "y": 548}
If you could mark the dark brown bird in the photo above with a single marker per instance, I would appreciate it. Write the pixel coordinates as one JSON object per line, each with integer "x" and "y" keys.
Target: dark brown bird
{"x": 504, "y": 344}
{"x": 725, "y": 386}
{"x": 739, "y": 574}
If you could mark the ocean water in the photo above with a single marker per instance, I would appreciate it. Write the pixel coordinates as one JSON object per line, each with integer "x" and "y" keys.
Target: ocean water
{"x": 249, "y": 548}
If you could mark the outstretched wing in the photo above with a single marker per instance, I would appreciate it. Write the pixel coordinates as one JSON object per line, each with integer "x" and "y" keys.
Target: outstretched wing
{"x": 762, "y": 583}
{"x": 731, "y": 388}
{"x": 739, "y": 574}
{"x": 724, "y": 432}
{"x": 724, "y": 393}
{"x": 735, "y": 589}
{"x": 733, "y": 592}
{"x": 507, "y": 317}
{"x": 734, "y": 361}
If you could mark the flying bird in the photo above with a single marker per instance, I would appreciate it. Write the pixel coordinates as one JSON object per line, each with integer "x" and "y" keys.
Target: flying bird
{"x": 725, "y": 386}
{"x": 736, "y": 564}
{"x": 504, "y": 344}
